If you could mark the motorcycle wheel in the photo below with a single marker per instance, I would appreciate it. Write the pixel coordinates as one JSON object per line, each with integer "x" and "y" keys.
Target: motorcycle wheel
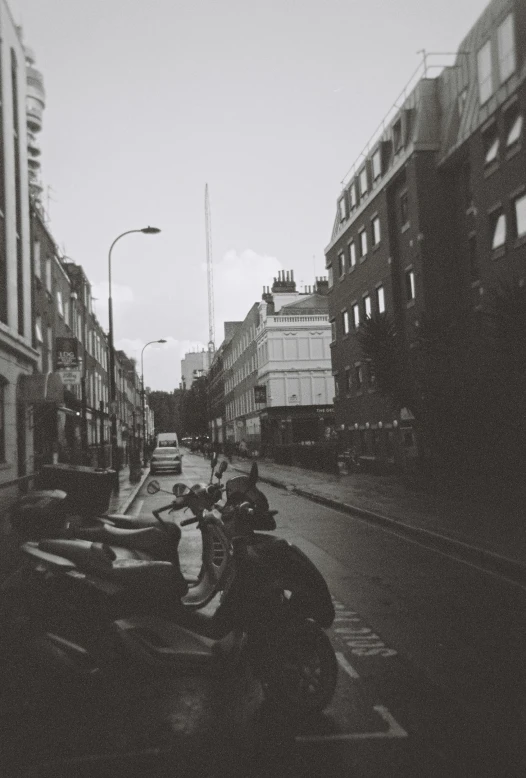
{"x": 304, "y": 671}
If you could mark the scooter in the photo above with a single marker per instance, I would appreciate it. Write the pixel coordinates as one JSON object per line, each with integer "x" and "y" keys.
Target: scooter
{"x": 89, "y": 607}
{"x": 45, "y": 513}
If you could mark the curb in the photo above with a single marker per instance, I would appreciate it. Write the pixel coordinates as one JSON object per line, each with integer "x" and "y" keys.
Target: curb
{"x": 123, "y": 508}
{"x": 488, "y": 559}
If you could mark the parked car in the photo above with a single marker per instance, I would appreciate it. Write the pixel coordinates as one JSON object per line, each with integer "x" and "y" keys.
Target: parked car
{"x": 165, "y": 460}
{"x": 168, "y": 439}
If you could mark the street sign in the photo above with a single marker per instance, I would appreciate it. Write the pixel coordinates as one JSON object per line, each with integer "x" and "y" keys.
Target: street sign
{"x": 260, "y": 394}
{"x": 71, "y": 376}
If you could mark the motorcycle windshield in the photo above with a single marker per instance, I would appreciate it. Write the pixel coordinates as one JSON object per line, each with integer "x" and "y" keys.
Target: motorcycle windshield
{"x": 243, "y": 488}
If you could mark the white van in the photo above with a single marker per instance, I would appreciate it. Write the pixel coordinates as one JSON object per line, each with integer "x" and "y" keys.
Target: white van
{"x": 167, "y": 440}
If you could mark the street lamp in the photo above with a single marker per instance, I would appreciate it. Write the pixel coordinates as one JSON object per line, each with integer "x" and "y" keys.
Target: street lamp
{"x": 162, "y": 340}
{"x": 113, "y": 391}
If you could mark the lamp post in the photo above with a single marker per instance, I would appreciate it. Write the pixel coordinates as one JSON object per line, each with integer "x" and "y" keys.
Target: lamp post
{"x": 162, "y": 340}
{"x": 113, "y": 392}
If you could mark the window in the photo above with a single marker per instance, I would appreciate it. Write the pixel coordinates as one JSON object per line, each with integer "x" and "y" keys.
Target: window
{"x": 513, "y": 122}
{"x": 358, "y": 377}
{"x": 2, "y": 420}
{"x": 36, "y": 259}
{"x": 506, "y": 48}
{"x": 375, "y": 224}
{"x": 380, "y": 299}
{"x": 404, "y": 208}
{"x": 462, "y": 101}
{"x": 336, "y": 385}
{"x": 397, "y": 135}
{"x": 352, "y": 196}
{"x": 409, "y": 285}
{"x": 372, "y": 375}
{"x": 363, "y": 181}
{"x": 333, "y": 330}
{"x": 60, "y": 304}
{"x": 355, "y": 316}
{"x": 48, "y": 275}
{"x": 66, "y": 311}
{"x": 342, "y": 209}
{"x": 50, "y": 348}
{"x": 367, "y": 305}
{"x": 473, "y": 258}
{"x": 352, "y": 254}
{"x": 498, "y": 229}
{"x": 341, "y": 264}
{"x": 484, "y": 73}
{"x": 330, "y": 276}
{"x": 38, "y": 329}
{"x": 348, "y": 380}
{"x": 520, "y": 215}
{"x": 345, "y": 322}
{"x": 363, "y": 243}
{"x": 377, "y": 164}
{"x": 467, "y": 187}
{"x": 490, "y": 141}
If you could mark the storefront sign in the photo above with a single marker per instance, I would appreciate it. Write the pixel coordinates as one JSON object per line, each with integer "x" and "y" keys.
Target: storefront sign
{"x": 260, "y": 394}
{"x": 71, "y": 376}
{"x": 67, "y": 350}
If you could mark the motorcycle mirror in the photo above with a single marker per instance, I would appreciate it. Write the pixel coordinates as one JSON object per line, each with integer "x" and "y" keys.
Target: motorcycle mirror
{"x": 180, "y": 489}
{"x": 222, "y": 467}
{"x": 153, "y": 487}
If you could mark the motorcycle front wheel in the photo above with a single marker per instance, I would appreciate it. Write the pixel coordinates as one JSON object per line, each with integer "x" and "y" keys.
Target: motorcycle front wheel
{"x": 303, "y": 671}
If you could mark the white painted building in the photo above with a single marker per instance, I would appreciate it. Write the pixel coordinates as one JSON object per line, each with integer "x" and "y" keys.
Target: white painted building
{"x": 193, "y": 365}
{"x": 294, "y": 363}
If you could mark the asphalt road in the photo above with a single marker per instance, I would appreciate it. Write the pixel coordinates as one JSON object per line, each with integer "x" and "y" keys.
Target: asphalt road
{"x": 431, "y": 652}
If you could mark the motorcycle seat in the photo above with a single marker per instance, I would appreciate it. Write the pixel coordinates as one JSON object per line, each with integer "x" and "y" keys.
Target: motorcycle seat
{"x": 140, "y": 539}
{"x": 101, "y": 559}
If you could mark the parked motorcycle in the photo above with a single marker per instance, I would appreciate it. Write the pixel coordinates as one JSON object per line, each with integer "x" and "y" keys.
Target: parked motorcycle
{"x": 90, "y": 605}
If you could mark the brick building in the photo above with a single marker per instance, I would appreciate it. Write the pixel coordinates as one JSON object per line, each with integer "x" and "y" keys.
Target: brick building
{"x": 216, "y": 388}
{"x": 240, "y": 378}
{"x": 431, "y": 218}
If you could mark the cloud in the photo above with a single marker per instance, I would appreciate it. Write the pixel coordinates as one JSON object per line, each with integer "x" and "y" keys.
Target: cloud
{"x": 239, "y": 278}
{"x": 121, "y": 296}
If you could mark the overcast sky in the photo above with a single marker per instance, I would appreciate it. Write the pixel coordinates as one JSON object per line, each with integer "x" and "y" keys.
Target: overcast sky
{"x": 269, "y": 101}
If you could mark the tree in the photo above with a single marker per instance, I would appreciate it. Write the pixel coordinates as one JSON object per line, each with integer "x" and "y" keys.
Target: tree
{"x": 166, "y": 408}
{"x": 381, "y": 345}
{"x": 194, "y": 408}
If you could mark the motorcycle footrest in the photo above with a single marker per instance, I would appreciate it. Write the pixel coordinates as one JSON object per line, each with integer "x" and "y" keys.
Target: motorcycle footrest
{"x": 148, "y": 645}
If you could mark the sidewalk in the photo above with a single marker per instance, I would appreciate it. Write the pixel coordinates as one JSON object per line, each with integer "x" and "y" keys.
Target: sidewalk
{"x": 477, "y": 528}
{"x": 121, "y": 500}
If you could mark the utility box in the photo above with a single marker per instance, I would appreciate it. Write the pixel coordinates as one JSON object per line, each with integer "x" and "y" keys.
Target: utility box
{"x": 88, "y": 489}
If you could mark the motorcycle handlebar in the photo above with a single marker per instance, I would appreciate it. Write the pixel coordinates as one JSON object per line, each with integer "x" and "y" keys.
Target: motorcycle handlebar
{"x": 186, "y": 522}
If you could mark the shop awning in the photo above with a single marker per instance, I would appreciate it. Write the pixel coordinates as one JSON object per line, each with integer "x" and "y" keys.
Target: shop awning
{"x": 40, "y": 388}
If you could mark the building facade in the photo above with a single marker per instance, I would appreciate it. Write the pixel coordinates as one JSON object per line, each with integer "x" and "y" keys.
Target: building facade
{"x": 240, "y": 378}
{"x": 431, "y": 218}
{"x": 294, "y": 376}
{"x": 272, "y": 374}
{"x": 18, "y": 357}
{"x": 194, "y": 365}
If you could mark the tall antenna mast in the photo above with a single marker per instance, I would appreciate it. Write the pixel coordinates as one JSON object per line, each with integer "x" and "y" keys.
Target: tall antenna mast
{"x": 210, "y": 274}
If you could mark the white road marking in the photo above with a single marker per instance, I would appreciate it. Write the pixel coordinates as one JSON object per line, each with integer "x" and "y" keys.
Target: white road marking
{"x": 139, "y": 508}
{"x": 362, "y": 641}
{"x": 394, "y": 731}
{"x": 344, "y": 664}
